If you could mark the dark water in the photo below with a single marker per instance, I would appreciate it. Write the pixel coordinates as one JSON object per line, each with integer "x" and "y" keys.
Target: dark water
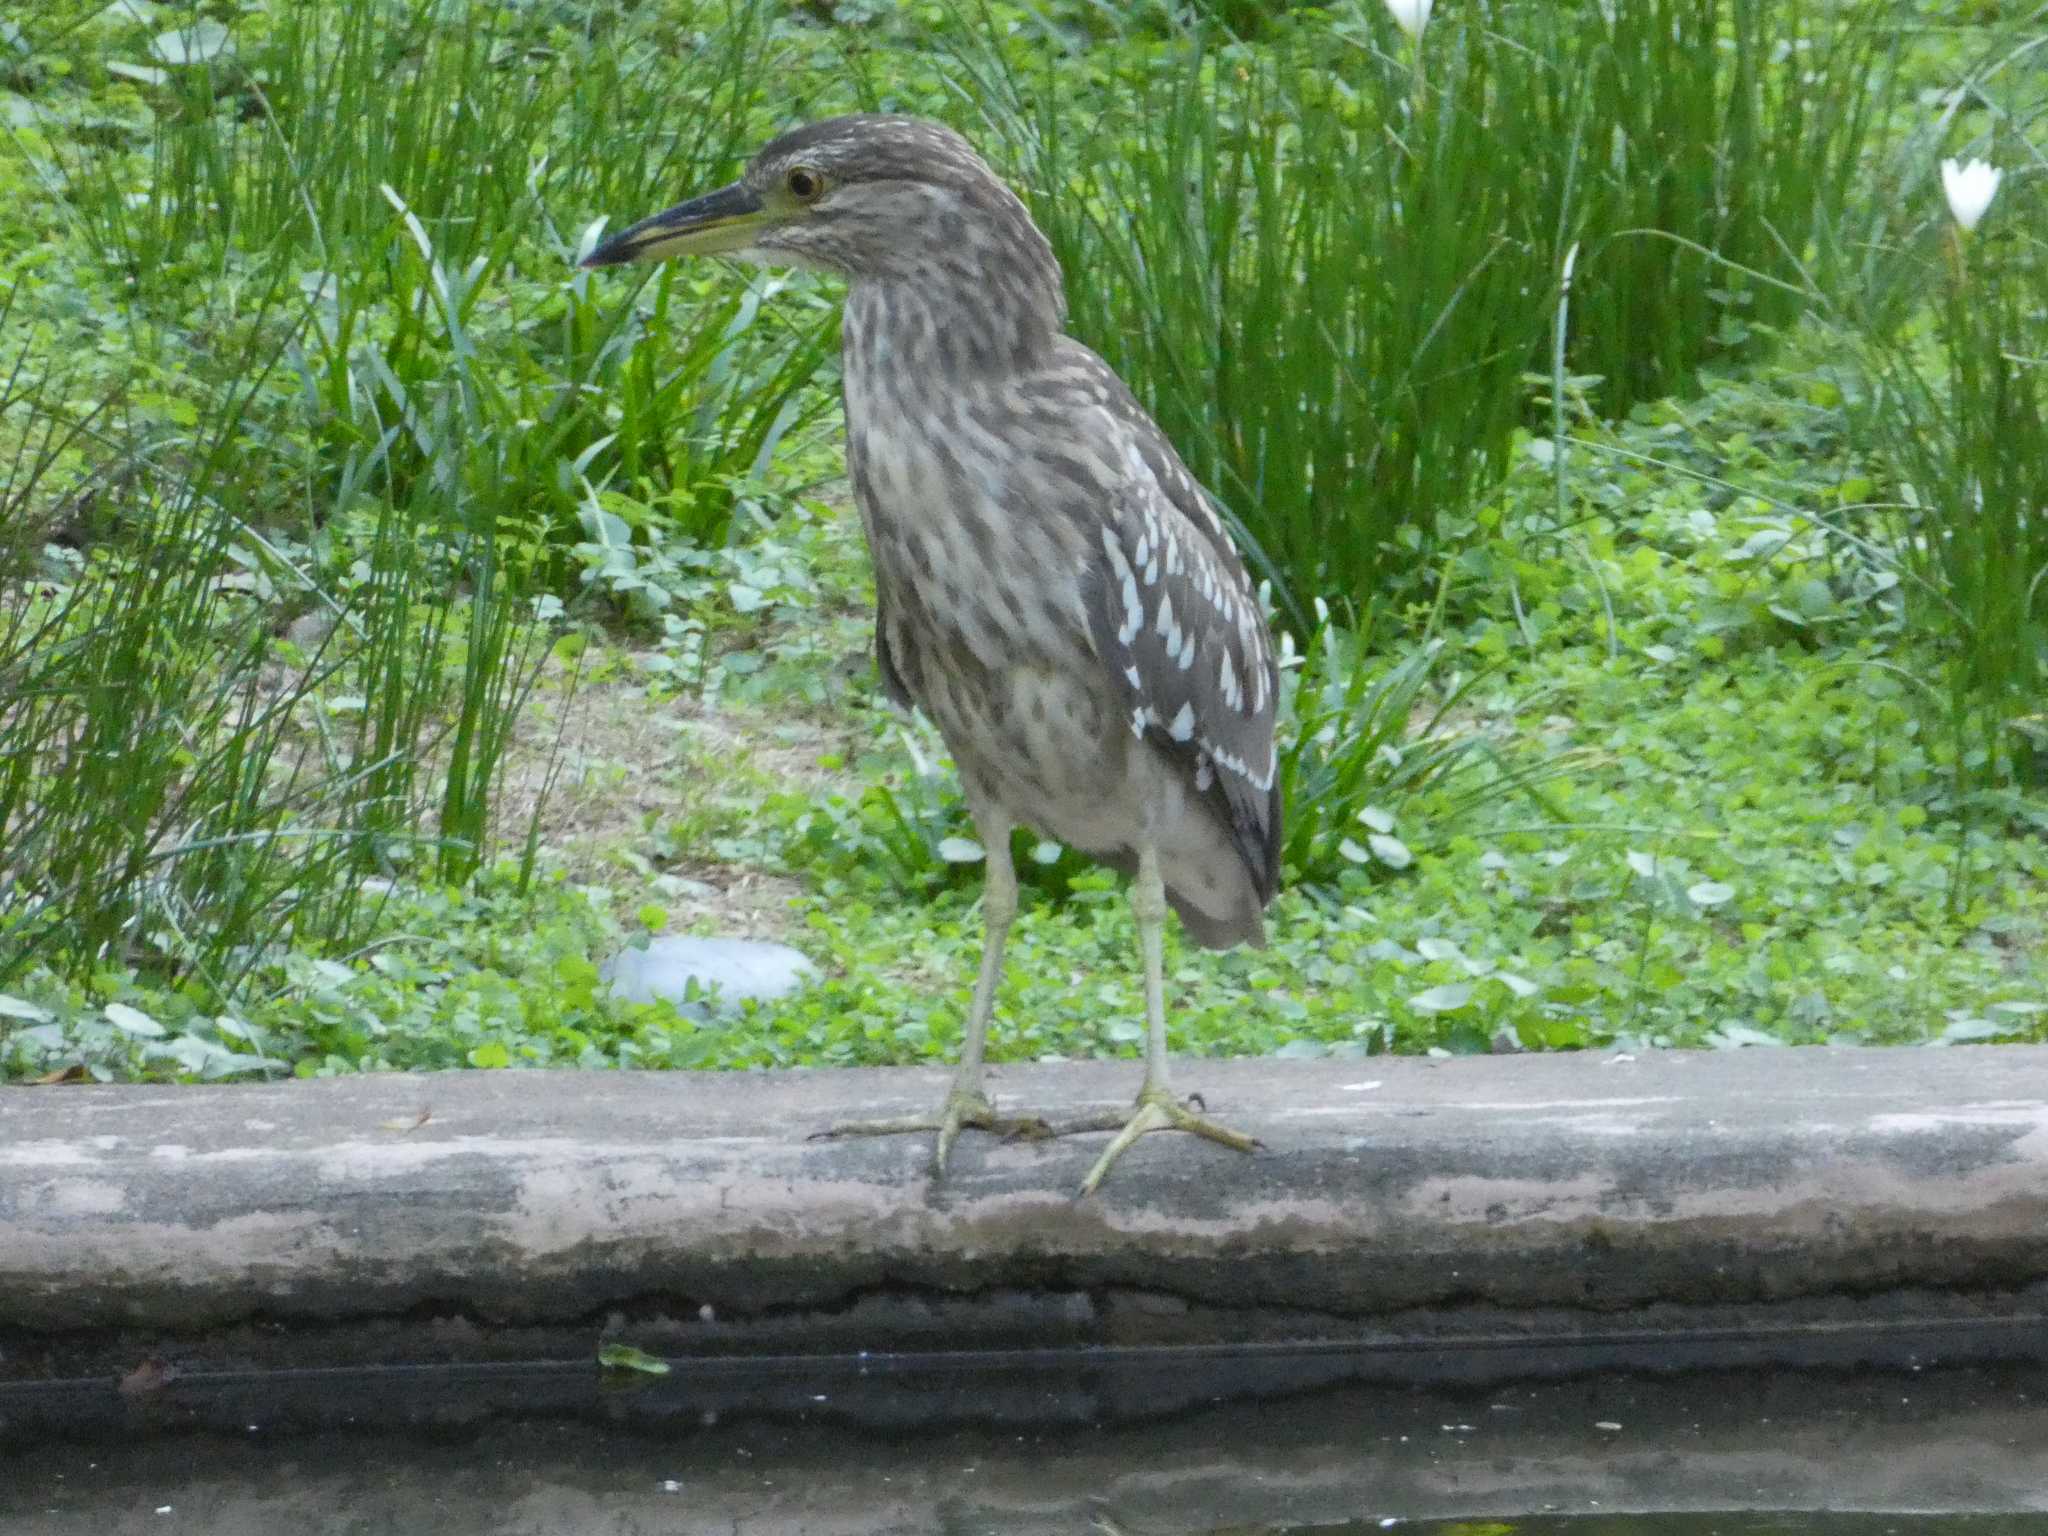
{"x": 1791, "y": 1524}
{"x": 552, "y": 1452}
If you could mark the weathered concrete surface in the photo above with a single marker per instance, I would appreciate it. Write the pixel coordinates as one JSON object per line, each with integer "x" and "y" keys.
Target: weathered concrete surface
{"x": 1567, "y": 1183}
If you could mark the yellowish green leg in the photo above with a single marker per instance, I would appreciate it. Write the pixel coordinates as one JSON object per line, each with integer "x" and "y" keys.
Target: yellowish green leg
{"x": 1157, "y": 1108}
{"x": 966, "y": 1104}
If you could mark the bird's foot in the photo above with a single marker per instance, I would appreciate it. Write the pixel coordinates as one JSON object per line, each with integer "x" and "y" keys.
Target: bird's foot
{"x": 1157, "y": 1110}
{"x": 963, "y": 1108}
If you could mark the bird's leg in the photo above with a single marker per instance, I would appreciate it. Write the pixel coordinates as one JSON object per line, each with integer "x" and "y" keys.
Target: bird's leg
{"x": 967, "y": 1104}
{"x": 1158, "y": 1109}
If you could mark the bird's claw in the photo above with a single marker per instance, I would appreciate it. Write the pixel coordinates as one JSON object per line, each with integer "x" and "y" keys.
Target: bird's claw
{"x": 961, "y": 1110}
{"x": 1157, "y": 1110}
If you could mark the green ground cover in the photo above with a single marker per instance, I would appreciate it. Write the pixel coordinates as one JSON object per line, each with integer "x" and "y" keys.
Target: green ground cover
{"x": 393, "y": 624}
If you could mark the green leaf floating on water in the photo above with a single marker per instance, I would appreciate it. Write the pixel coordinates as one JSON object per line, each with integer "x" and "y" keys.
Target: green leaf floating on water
{"x": 624, "y": 1357}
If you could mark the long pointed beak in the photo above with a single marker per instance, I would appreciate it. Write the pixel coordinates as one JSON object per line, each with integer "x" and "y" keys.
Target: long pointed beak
{"x": 725, "y": 220}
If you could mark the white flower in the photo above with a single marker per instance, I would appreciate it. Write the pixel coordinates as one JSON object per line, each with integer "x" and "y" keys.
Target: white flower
{"x": 1411, "y": 16}
{"x": 1970, "y": 187}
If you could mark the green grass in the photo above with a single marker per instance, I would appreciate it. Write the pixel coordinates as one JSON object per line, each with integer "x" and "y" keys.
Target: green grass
{"x": 326, "y": 313}
{"x": 1664, "y": 654}
{"x": 1963, "y": 415}
{"x": 423, "y": 182}
{"x": 183, "y": 788}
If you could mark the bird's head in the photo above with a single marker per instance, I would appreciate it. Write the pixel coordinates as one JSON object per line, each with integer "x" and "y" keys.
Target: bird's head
{"x": 868, "y": 196}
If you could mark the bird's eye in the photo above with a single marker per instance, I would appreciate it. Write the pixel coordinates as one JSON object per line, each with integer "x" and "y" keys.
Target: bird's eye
{"x": 803, "y": 182}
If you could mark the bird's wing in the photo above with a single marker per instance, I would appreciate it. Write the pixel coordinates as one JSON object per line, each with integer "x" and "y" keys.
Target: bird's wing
{"x": 1176, "y": 621}
{"x": 885, "y": 662}
{"x": 1181, "y": 487}
{"x": 893, "y": 682}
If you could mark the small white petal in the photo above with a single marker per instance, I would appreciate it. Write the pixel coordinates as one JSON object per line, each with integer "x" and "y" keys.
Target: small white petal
{"x": 1970, "y": 187}
{"x": 1411, "y": 16}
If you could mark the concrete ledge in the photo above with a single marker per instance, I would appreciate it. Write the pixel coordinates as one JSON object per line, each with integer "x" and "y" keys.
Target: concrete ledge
{"x": 1535, "y": 1192}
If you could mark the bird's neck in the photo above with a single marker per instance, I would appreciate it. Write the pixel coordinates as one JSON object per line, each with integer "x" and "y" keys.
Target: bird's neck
{"x": 951, "y": 323}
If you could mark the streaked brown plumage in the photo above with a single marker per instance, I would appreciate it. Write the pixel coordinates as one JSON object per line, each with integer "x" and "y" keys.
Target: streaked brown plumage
{"x": 1053, "y": 587}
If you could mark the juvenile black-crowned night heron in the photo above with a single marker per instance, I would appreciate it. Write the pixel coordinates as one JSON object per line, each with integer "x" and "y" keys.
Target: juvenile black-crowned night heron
{"x": 1053, "y": 587}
